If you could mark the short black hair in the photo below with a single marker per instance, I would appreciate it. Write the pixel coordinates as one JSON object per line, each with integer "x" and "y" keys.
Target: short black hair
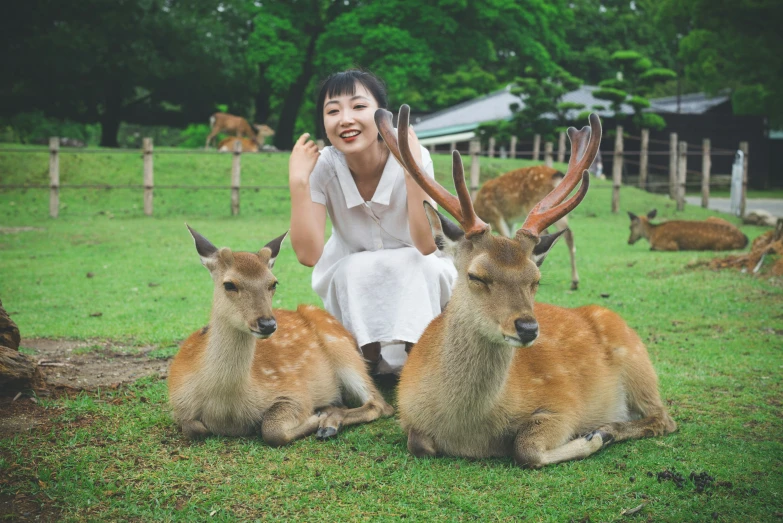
{"x": 342, "y": 83}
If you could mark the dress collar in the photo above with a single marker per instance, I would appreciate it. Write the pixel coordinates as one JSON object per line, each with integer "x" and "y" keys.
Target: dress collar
{"x": 351, "y": 193}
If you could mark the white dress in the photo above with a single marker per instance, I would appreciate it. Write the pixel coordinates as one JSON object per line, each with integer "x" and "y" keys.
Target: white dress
{"x": 370, "y": 276}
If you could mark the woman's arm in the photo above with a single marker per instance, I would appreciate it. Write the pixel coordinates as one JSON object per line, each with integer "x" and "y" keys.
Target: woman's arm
{"x": 308, "y": 219}
{"x": 417, "y": 218}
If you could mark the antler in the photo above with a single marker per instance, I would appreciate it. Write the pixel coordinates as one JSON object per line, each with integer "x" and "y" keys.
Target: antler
{"x": 551, "y": 208}
{"x": 460, "y": 207}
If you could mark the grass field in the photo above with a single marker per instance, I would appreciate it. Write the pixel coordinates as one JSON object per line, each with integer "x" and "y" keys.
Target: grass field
{"x": 715, "y": 338}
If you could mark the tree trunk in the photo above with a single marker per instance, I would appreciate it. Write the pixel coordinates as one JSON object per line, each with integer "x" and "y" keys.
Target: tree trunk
{"x": 284, "y": 135}
{"x": 18, "y": 371}
{"x": 110, "y": 119}
{"x": 9, "y": 332}
{"x": 263, "y": 96}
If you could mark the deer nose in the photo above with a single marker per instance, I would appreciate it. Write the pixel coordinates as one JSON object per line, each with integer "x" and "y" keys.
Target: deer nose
{"x": 527, "y": 330}
{"x": 266, "y": 326}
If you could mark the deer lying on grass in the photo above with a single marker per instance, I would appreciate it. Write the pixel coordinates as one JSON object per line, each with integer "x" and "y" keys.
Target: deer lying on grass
{"x": 226, "y": 145}
{"x": 712, "y": 234}
{"x": 255, "y": 369}
{"x": 496, "y": 374}
{"x": 224, "y": 122}
{"x": 507, "y": 199}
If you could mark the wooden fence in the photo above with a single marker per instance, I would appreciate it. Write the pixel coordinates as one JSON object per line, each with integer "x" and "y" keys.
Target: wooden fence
{"x": 678, "y": 154}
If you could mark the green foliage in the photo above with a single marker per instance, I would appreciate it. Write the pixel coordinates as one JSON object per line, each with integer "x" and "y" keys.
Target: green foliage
{"x": 615, "y": 96}
{"x": 35, "y": 127}
{"x": 656, "y": 75}
{"x": 732, "y": 44}
{"x": 649, "y": 121}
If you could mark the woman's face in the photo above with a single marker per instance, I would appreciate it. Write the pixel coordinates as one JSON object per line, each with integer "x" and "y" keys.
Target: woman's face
{"x": 349, "y": 120}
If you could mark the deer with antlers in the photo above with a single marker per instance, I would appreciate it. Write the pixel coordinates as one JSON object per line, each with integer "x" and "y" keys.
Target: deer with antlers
{"x": 228, "y": 123}
{"x": 257, "y": 370}
{"x": 499, "y": 375}
{"x": 508, "y": 199}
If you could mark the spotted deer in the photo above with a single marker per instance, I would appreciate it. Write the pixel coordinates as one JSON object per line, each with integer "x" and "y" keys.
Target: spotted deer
{"x": 228, "y": 123}
{"x": 712, "y": 234}
{"x": 508, "y": 199}
{"x": 257, "y": 370}
{"x": 499, "y": 375}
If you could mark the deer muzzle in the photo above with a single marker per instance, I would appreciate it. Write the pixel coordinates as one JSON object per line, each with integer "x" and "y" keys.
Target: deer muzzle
{"x": 265, "y": 327}
{"x": 527, "y": 330}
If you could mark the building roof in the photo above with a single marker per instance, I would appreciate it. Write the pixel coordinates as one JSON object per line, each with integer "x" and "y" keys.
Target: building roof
{"x": 467, "y": 116}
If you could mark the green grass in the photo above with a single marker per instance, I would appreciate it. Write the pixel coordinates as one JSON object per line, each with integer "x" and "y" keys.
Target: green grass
{"x": 715, "y": 338}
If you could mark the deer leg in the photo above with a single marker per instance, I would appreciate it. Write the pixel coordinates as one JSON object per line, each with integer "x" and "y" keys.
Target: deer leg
{"x": 285, "y": 421}
{"x": 421, "y": 446}
{"x": 194, "y": 429}
{"x": 337, "y": 418}
{"x": 656, "y": 425}
{"x": 533, "y": 447}
{"x": 569, "y": 238}
{"x": 212, "y": 134}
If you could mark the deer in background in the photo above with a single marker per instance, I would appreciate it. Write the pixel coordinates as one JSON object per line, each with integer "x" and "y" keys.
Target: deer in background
{"x": 499, "y": 375}
{"x": 255, "y": 369}
{"x": 712, "y": 234}
{"x": 508, "y": 199}
{"x": 226, "y": 145}
{"x": 228, "y": 123}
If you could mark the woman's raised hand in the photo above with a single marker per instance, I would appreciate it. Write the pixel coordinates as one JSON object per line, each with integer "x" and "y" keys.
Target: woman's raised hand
{"x": 303, "y": 160}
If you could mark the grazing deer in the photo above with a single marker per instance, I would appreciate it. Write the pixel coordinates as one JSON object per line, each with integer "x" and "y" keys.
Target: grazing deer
{"x": 496, "y": 374}
{"x": 226, "y": 145}
{"x": 224, "y": 122}
{"x": 712, "y": 234}
{"x": 255, "y": 369}
{"x": 507, "y": 199}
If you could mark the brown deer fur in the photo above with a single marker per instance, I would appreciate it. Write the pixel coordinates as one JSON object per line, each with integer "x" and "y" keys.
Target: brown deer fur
{"x": 254, "y": 369}
{"x": 712, "y": 234}
{"x": 226, "y": 145}
{"x": 508, "y": 199}
{"x": 228, "y": 123}
{"x": 496, "y": 374}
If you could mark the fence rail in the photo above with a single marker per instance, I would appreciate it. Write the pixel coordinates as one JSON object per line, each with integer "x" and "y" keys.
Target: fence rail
{"x": 678, "y": 153}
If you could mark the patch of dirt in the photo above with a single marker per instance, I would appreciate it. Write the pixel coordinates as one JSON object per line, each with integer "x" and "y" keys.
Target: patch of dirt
{"x": 21, "y": 507}
{"x": 81, "y": 365}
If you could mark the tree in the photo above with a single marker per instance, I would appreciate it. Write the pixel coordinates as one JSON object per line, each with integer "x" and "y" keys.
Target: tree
{"x": 634, "y": 78}
{"x": 430, "y": 54}
{"x": 543, "y": 112}
{"x": 732, "y": 44}
{"x": 146, "y": 62}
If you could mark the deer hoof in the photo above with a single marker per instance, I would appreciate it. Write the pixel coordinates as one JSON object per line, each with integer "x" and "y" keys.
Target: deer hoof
{"x": 574, "y": 285}
{"x": 606, "y": 438}
{"x": 325, "y": 432}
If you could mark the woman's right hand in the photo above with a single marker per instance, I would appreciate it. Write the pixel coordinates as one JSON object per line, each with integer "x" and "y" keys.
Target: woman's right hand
{"x": 302, "y": 161}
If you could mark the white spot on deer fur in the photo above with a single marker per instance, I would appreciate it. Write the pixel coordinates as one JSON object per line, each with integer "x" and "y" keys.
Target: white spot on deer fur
{"x": 330, "y": 339}
{"x": 620, "y": 351}
{"x": 354, "y": 384}
{"x": 268, "y": 372}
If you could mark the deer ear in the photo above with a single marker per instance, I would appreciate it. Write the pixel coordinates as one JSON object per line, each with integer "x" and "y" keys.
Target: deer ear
{"x": 446, "y": 233}
{"x": 632, "y": 216}
{"x": 274, "y": 249}
{"x": 206, "y": 251}
{"x": 651, "y": 214}
{"x": 545, "y": 243}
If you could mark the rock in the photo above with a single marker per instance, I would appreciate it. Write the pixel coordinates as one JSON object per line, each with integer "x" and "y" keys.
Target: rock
{"x": 759, "y": 217}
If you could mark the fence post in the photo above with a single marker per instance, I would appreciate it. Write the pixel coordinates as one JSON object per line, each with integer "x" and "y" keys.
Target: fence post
{"x": 320, "y": 144}
{"x": 536, "y": 147}
{"x": 453, "y": 147}
{"x": 513, "y": 148}
{"x": 148, "y": 176}
{"x": 431, "y": 147}
{"x": 644, "y": 158}
{"x": 672, "y": 165}
{"x": 54, "y": 176}
{"x": 706, "y": 165}
{"x": 491, "y": 152}
{"x": 561, "y": 147}
{"x": 743, "y": 201}
{"x": 682, "y": 167}
{"x": 548, "y": 154}
{"x": 475, "y": 167}
{"x": 617, "y": 169}
{"x": 236, "y": 170}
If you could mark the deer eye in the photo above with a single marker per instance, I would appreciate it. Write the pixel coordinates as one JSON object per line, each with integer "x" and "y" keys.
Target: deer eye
{"x": 473, "y": 277}
{"x": 274, "y": 286}
{"x": 230, "y": 286}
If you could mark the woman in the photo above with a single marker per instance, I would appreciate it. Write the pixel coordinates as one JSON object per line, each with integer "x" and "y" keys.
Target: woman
{"x": 377, "y": 274}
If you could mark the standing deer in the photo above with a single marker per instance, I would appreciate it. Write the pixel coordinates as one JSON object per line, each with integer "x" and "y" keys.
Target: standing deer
{"x": 496, "y": 374}
{"x": 224, "y": 122}
{"x": 507, "y": 199}
{"x": 255, "y": 369}
{"x": 712, "y": 234}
